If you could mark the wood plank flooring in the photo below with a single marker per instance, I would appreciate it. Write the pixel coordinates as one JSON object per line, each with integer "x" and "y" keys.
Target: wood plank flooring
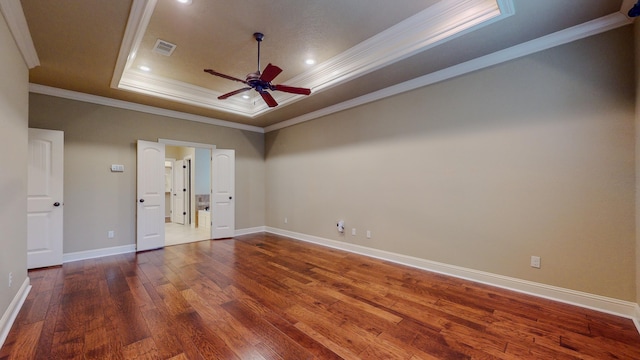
{"x": 263, "y": 296}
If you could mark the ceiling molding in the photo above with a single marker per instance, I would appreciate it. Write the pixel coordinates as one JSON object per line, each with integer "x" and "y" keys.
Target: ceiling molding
{"x": 14, "y": 15}
{"x": 597, "y": 26}
{"x": 433, "y": 26}
{"x": 99, "y": 100}
{"x": 139, "y": 17}
{"x": 577, "y": 32}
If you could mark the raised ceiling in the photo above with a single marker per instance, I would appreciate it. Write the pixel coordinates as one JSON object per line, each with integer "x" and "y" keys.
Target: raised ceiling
{"x": 361, "y": 47}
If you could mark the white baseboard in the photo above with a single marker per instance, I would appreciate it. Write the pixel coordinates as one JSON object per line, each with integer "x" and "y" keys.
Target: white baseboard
{"x": 116, "y": 250}
{"x": 591, "y": 301}
{"x": 92, "y": 254}
{"x": 12, "y": 312}
{"x": 253, "y": 230}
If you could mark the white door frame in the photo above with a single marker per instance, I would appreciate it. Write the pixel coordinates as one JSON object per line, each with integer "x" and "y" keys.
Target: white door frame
{"x": 173, "y": 165}
{"x": 190, "y": 198}
{"x": 179, "y": 190}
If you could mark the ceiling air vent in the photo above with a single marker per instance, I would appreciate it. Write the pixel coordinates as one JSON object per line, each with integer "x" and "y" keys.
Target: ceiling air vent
{"x": 164, "y": 47}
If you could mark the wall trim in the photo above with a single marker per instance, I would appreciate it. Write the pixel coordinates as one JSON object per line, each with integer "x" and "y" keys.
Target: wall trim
{"x": 94, "y": 99}
{"x": 247, "y": 231}
{"x": 594, "y": 27}
{"x": 600, "y": 303}
{"x": 96, "y": 253}
{"x": 558, "y": 38}
{"x": 12, "y": 311}
{"x": 636, "y": 319}
{"x": 14, "y": 15}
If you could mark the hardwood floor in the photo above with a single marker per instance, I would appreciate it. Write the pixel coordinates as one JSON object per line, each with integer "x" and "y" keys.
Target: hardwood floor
{"x": 267, "y": 297}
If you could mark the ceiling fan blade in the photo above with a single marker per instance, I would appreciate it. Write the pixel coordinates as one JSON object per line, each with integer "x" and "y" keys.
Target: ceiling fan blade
{"x": 222, "y": 97}
{"x": 270, "y": 73}
{"x": 268, "y": 99}
{"x": 293, "y": 90}
{"x": 215, "y": 73}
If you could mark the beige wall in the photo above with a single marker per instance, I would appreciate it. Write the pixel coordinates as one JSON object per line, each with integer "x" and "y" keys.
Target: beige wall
{"x": 531, "y": 157}
{"x": 97, "y": 136}
{"x": 13, "y": 176}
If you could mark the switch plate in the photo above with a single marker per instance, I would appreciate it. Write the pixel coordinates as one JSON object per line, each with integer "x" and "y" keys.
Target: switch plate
{"x": 368, "y": 234}
{"x": 117, "y": 168}
{"x": 535, "y": 262}
{"x": 353, "y": 231}
{"x": 285, "y": 220}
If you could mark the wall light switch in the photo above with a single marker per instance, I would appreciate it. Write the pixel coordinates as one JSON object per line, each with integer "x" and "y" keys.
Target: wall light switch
{"x": 117, "y": 168}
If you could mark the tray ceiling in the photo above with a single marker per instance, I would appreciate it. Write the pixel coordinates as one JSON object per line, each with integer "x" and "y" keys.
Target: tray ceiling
{"x": 359, "y": 47}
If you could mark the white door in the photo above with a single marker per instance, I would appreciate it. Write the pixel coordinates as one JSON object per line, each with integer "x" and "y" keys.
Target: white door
{"x": 44, "y": 198}
{"x": 179, "y": 191}
{"x": 150, "y": 214}
{"x": 223, "y": 192}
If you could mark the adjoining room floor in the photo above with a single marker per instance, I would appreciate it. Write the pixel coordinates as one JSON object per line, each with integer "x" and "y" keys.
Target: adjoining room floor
{"x": 181, "y": 234}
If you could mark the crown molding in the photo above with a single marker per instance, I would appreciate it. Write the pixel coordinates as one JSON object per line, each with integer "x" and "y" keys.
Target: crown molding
{"x": 139, "y": 17}
{"x": 561, "y": 37}
{"x": 14, "y": 15}
{"x": 433, "y": 26}
{"x": 442, "y": 22}
{"x": 78, "y": 96}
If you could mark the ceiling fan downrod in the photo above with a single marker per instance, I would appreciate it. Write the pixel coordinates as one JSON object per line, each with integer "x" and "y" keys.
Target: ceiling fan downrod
{"x": 258, "y": 36}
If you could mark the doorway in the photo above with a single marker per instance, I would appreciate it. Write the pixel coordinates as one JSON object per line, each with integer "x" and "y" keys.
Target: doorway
{"x": 187, "y": 216}
{"x": 151, "y": 192}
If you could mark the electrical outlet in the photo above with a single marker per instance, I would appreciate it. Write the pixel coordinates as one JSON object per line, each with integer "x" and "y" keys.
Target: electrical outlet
{"x": 286, "y": 220}
{"x": 368, "y": 234}
{"x": 111, "y": 234}
{"x": 353, "y": 231}
{"x": 10, "y": 279}
{"x": 535, "y": 262}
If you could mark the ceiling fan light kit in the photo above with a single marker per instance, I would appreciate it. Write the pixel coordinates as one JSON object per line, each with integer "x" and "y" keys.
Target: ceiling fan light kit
{"x": 260, "y": 82}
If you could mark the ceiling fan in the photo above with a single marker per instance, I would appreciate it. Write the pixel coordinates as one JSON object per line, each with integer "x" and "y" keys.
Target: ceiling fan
{"x": 261, "y": 82}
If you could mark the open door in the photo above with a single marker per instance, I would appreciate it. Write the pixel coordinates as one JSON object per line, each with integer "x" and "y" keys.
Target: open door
{"x": 223, "y": 193}
{"x": 151, "y": 201}
{"x": 44, "y": 198}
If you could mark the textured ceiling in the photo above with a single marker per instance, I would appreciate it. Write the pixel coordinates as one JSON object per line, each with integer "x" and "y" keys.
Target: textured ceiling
{"x": 87, "y": 46}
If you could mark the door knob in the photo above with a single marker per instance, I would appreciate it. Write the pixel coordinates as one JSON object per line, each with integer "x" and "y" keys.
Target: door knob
{"x": 230, "y": 197}
{"x": 56, "y": 204}
{"x": 141, "y": 200}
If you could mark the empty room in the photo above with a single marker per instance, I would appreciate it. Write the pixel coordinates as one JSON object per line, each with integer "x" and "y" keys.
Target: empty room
{"x": 418, "y": 179}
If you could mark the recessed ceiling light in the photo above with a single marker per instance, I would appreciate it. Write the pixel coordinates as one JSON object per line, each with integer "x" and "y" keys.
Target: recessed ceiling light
{"x": 186, "y": 2}
{"x": 144, "y": 68}
{"x": 310, "y": 61}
